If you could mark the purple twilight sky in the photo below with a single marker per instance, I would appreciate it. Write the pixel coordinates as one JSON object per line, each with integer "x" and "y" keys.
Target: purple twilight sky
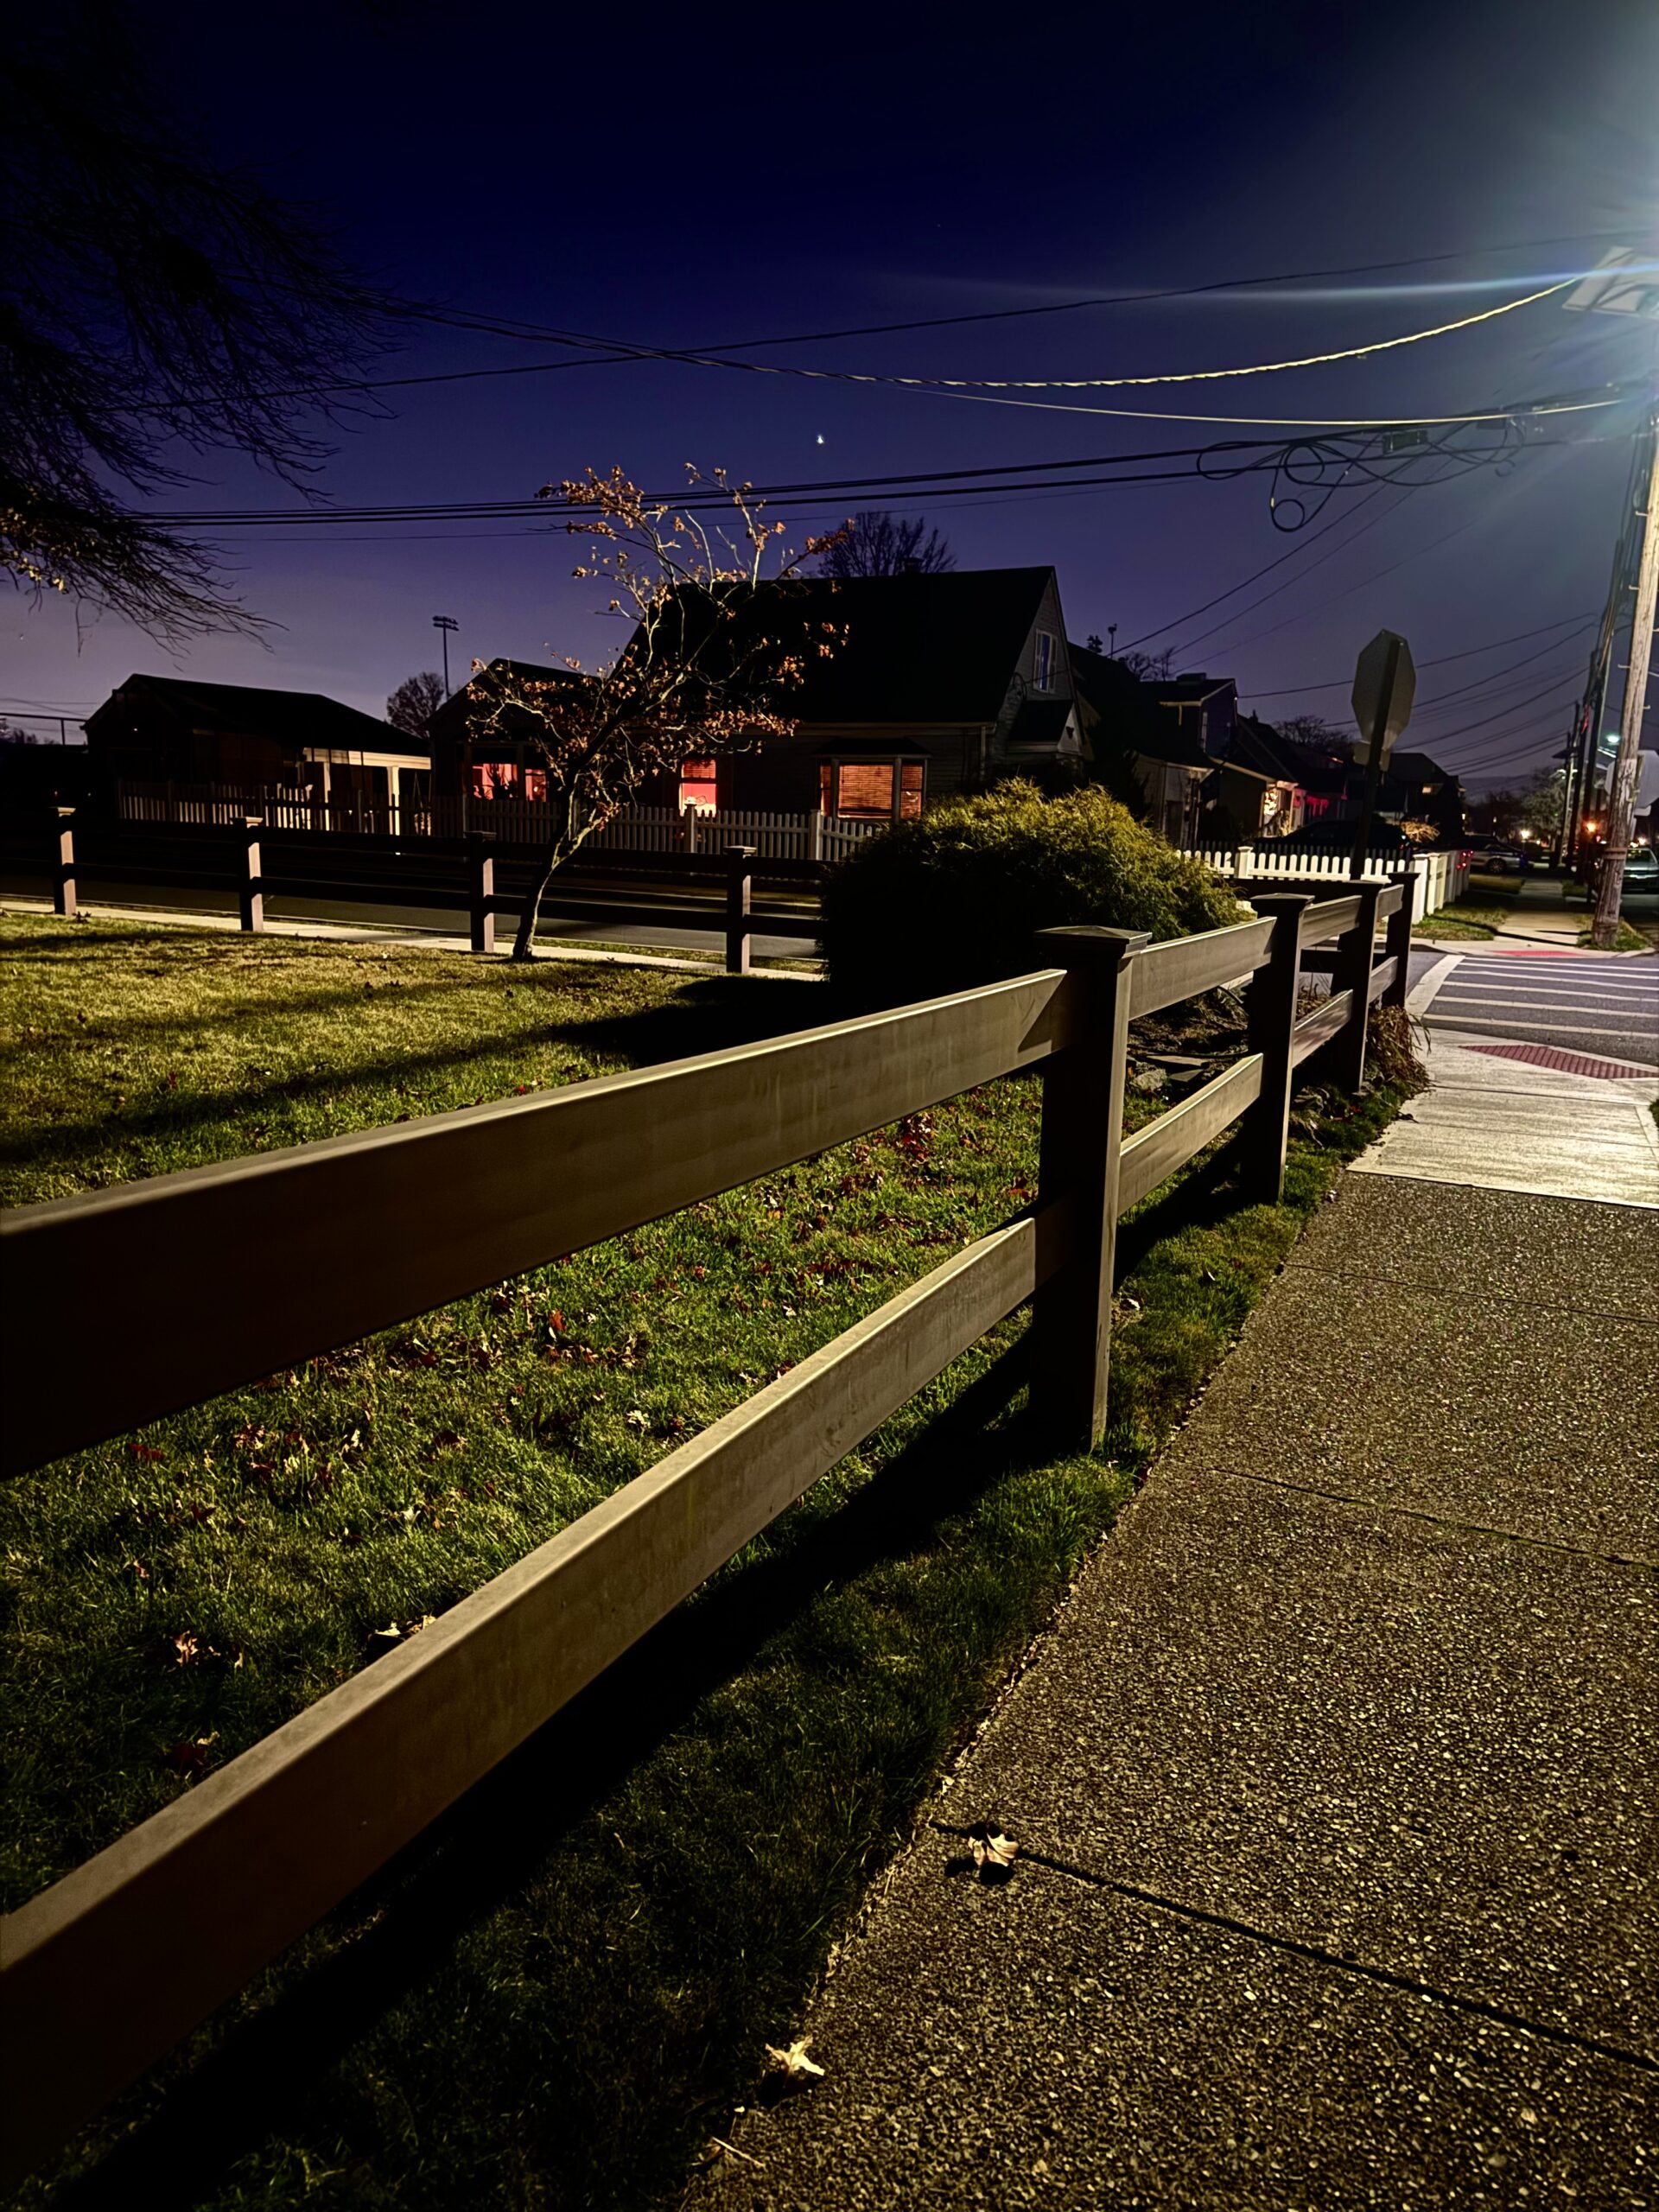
{"x": 717, "y": 177}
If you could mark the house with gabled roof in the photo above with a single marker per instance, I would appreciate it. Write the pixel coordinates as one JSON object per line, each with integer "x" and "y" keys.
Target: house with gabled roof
{"x": 932, "y": 684}
{"x": 174, "y": 729}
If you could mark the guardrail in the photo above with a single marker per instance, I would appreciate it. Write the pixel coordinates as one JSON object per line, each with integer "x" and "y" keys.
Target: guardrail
{"x": 103, "y": 1972}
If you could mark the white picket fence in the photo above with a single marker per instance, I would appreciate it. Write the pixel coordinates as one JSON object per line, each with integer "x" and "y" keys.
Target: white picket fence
{"x": 1440, "y": 876}
{"x": 774, "y": 836}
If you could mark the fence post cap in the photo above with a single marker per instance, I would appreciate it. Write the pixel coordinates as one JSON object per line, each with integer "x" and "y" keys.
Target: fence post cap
{"x": 742, "y": 852}
{"x": 1280, "y": 902}
{"x": 1088, "y": 943}
{"x": 64, "y": 810}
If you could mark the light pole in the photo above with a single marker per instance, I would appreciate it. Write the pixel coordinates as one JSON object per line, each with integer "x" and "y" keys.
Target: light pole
{"x": 445, "y": 623}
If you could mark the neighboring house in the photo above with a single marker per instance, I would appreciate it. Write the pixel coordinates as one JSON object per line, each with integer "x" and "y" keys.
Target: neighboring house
{"x": 1417, "y": 788}
{"x": 936, "y": 684}
{"x": 1205, "y": 707}
{"x": 1141, "y": 750}
{"x": 1256, "y": 746}
{"x": 483, "y": 751}
{"x": 171, "y": 729}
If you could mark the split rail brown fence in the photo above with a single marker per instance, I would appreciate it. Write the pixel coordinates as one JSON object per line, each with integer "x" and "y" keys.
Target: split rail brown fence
{"x": 250, "y": 1265}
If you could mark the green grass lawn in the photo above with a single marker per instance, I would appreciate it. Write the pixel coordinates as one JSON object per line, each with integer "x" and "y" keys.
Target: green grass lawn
{"x": 1630, "y": 938}
{"x": 1488, "y": 902}
{"x": 558, "y": 1993}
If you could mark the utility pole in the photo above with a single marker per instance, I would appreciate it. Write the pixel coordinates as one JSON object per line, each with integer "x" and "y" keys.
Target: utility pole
{"x": 1621, "y": 810}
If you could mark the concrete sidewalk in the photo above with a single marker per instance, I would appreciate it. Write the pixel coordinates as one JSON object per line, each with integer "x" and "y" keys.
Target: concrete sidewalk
{"x": 1334, "y": 1783}
{"x": 1499, "y": 1122}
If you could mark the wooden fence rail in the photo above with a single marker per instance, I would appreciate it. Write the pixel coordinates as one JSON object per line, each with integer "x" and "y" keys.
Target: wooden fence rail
{"x": 103, "y": 1972}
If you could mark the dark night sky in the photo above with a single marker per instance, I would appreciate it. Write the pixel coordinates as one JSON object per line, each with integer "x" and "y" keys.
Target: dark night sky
{"x": 711, "y": 175}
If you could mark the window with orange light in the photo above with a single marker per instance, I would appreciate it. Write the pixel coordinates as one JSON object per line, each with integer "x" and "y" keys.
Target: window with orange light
{"x": 698, "y": 785}
{"x": 862, "y": 791}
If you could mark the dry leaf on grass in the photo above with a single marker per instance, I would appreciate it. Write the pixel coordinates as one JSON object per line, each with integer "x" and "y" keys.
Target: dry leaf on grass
{"x": 190, "y": 1758}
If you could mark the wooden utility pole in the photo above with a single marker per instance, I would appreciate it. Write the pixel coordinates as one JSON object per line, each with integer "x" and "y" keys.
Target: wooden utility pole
{"x": 1621, "y": 810}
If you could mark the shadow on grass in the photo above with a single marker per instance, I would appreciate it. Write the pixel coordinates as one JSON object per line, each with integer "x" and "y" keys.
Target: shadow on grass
{"x": 709, "y": 1016}
{"x": 263, "y": 2071}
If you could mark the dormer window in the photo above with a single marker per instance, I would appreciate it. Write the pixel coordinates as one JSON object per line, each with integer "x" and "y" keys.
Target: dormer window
{"x": 1043, "y": 676}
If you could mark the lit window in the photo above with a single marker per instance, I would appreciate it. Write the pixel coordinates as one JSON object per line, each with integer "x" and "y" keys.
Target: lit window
{"x": 1044, "y": 679}
{"x": 863, "y": 790}
{"x": 697, "y": 786}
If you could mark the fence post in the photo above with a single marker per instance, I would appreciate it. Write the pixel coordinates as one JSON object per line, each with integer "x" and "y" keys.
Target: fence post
{"x": 1397, "y": 941}
{"x": 739, "y": 895}
{"x": 1270, "y": 1016}
{"x": 1082, "y": 1134}
{"x": 814, "y": 834}
{"x": 690, "y": 828}
{"x": 1356, "y": 949}
{"x": 251, "y": 888}
{"x": 480, "y": 890}
{"x": 63, "y": 876}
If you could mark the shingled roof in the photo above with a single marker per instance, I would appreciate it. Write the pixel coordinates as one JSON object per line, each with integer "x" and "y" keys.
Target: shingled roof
{"x": 294, "y": 719}
{"x": 907, "y": 649}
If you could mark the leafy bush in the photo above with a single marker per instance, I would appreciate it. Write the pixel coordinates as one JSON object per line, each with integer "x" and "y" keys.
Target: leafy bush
{"x": 954, "y": 898}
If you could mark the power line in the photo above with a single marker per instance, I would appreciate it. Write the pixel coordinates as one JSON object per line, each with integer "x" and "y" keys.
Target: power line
{"x": 1347, "y": 591}
{"x": 1187, "y": 644}
{"x": 1103, "y": 384}
{"x": 1245, "y": 582}
{"x": 512, "y": 326}
{"x": 1500, "y": 680}
{"x": 1495, "y": 645}
{"x": 1562, "y": 683}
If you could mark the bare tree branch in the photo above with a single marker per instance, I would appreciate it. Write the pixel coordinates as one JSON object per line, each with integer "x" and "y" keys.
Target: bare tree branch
{"x": 151, "y": 306}
{"x": 707, "y": 671}
{"x": 877, "y": 544}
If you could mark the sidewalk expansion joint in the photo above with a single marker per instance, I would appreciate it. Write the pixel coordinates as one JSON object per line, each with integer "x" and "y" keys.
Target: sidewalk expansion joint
{"x": 1383, "y": 1977}
{"x": 1530, "y": 1299}
{"x": 1644, "y": 1566}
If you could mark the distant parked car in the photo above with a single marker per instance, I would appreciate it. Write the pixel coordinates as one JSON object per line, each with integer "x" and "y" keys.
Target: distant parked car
{"x": 1498, "y": 855}
{"x": 1641, "y": 869}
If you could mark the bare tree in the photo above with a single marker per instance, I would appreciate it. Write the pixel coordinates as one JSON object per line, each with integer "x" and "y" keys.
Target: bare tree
{"x": 876, "y": 544}
{"x": 11, "y": 734}
{"x": 150, "y": 303}
{"x": 412, "y": 705}
{"x": 1151, "y": 668}
{"x": 707, "y": 671}
{"x": 1313, "y": 730}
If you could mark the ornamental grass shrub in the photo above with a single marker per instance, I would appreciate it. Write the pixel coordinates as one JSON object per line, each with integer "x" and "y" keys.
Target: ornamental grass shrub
{"x": 956, "y": 896}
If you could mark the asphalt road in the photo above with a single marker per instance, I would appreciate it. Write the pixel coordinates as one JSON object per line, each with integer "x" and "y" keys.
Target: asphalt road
{"x": 171, "y": 901}
{"x": 1598, "y": 1003}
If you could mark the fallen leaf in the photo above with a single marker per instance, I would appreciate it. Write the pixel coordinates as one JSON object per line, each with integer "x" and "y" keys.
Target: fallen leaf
{"x": 794, "y": 2064}
{"x": 994, "y": 1855}
{"x": 145, "y": 1451}
{"x": 190, "y": 1758}
{"x": 636, "y": 1420}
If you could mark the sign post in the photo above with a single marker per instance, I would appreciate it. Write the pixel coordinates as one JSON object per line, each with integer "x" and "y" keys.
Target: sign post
{"x": 1385, "y": 683}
